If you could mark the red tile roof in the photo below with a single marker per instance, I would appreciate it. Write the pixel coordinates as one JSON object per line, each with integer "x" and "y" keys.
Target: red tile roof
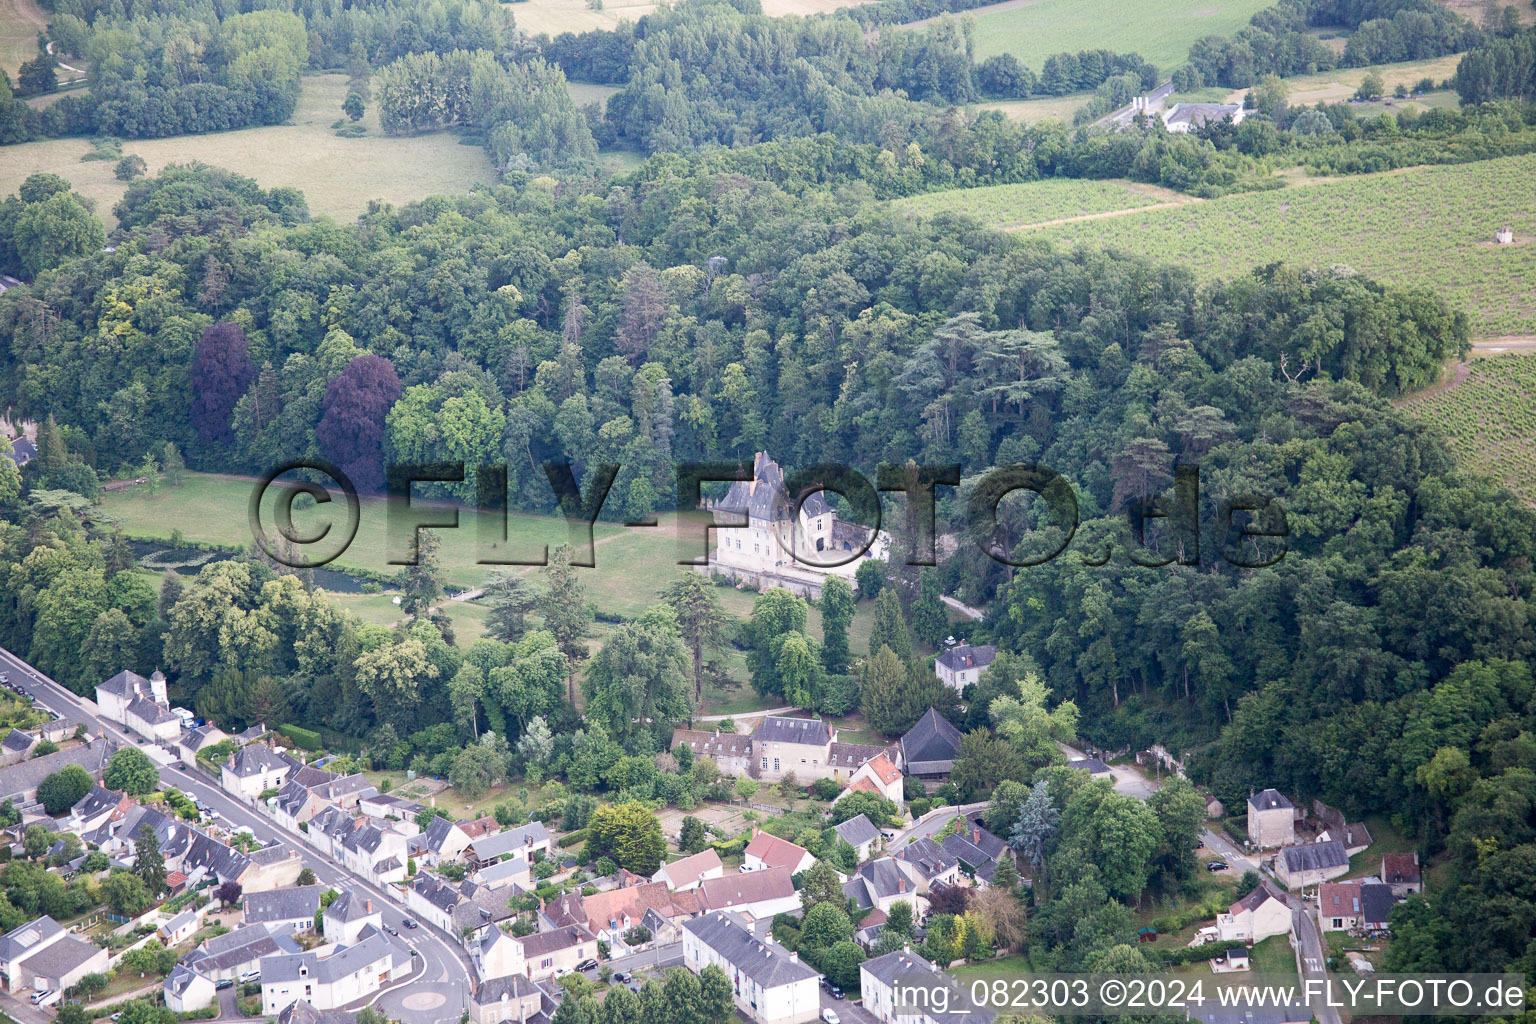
{"x": 776, "y": 852}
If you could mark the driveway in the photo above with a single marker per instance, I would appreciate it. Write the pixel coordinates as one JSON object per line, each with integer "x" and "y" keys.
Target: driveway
{"x": 848, "y": 1012}
{"x": 1127, "y": 780}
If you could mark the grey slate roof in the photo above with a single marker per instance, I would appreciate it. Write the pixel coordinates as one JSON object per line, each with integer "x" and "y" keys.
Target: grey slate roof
{"x": 886, "y": 968}
{"x": 349, "y": 907}
{"x": 22, "y": 451}
{"x": 853, "y": 755}
{"x": 282, "y": 904}
{"x": 437, "y": 833}
{"x": 372, "y": 946}
{"x": 518, "y": 837}
{"x": 203, "y": 736}
{"x": 501, "y": 873}
{"x": 766, "y": 964}
{"x": 1376, "y": 902}
{"x": 17, "y": 941}
{"x": 238, "y": 948}
{"x": 301, "y": 1011}
{"x": 25, "y": 776}
{"x": 224, "y": 862}
{"x": 436, "y": 892}
{"x": 125, "y": 684}
{"x": 764, "y": 497}
{"x": 149, "y": 712}
{"x": 876, "y": 879}
{"x": 1315, "y": 856}
{"x": 929, "y": 747}
{"x": 18, "y": 742}
{"x": 857, "y": 830}
{"x": 180, "y": 978}
{"x": 927, "y": 856}
{"x": 964, "y": 656}
{"x": 257, "y": 759}
{"x": 792, "y": 730}
{"x": 543, "y": 943}
{"x": 98, "y": 801}
{"x": 513, "y": 986}
{"x": 1269, "y": 800}
{"x": 65, "y": 955}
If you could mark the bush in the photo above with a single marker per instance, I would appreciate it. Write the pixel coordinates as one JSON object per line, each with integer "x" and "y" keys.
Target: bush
{"x": 921, "y": 806}
{"x": 1193, "y": 954}
{"x": 304, "y": 739}
{"x": 825, "y": 789}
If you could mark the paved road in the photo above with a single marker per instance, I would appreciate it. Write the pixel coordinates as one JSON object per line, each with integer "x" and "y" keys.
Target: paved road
{"x": 440, "y": 960}
{"x": 1314, "y": 963}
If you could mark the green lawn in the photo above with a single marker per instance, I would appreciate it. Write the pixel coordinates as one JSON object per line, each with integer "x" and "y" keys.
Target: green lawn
{"x": 1161, "y": 33}
{"x": 1273, "y": 956}
{"x": 1429, "y": 226}
{"x": 337, "y": 176}
{"x": 1019, "y": 964}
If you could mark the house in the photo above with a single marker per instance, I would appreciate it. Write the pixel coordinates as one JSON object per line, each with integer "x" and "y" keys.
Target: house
{"x": 274, "y": 866}
{"x": 689, "y": 872}
{"x": 860, "y": 833}
{"x": 962, "y": 665}
{"x": 878, "y": 986}
{"x": 432, "y": 899}
{"x": 195, "y": 741}
{"x": 254, "y": 769}
{"x": 847, "y": 758}
{"x": 1355, "y": 837}
{"x": 328, "y": 829}
{"x": 1271, "y": 819}
{"x": 929, "y": 863}
{"x": 383, "y": 805}
{"x": 1257, "y": 916}
{"x": 880, "y": 883}
{"x": 1338, "y": 906}
{"x": 799, "y": 745}
{"x": 442, "y": 841}
{"x": 308, "y": 790}
{"x": 238, "y": 952}
{"x": 530, "y": 841}
{"x": 327, "y": 983}
{"x": 459, "y": 910}
{"x": 42, "y": 956}
{"x": 977, "y": 850}
{"x": 755, "y": 894}
{"x": 770, "y": 985}
{"x": 929, "y": 747}
{"x": 769, "y": 851}
{"x": 557, "y": 951}
{"x": 731, "y": 752}
{"x": 498, "y": 955}
{"x": 179, "y": 928}
{"x": 139, "y": 704}
{"x": 1189, "y": 117}
{"x": 16, "y": 746}
{"x": 776, "y": 547}
{"x": 187, "y": 991}
{"x": 611, "y": 915}
{"x": 1091, "y": 765}
{"x": 377, "y": 854}
{"x": 19, "y": 782}
{"x": 292, "y": 910}
{"x": 96, "y": 808}
{"x": 516, "y": 872}
{"x": 22, "y": 451}
{"x": 1503, "y": 236}
{"x": 1401, "y": 872}
{"x": 509, "y": 998}
{"x": 1311, "y": 864}
{"x": 1376, "y": 903}
{"x": 301, "y": 1012}
{"x": 878, "y": 776}
{"x": 344, "y": 920}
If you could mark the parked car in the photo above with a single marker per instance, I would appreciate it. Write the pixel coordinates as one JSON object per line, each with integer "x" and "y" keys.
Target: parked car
{"x": 829, "y": 1016}
{"x": 224, "y": 983}
{"x": 621, "y": 976}
{"x": 409, "y": 923}
{"x": 1217, "y": 865}
{"x": 250, "y": 976}
{"x": 391, "y": 930}
{"x": 587, "y": 965}
{"x": 49, "y": 998}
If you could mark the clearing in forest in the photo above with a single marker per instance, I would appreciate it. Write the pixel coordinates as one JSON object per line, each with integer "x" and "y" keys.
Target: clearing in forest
{"x": 1039, "y": 203}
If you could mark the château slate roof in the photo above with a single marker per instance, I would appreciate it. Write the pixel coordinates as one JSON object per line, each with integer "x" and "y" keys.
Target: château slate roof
{"x": 808, "y": 731}
{"x": 764, "y": 497}
{"x": 965, "y": 656}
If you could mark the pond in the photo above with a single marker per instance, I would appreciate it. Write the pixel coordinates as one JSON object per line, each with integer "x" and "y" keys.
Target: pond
{"x": 158, "y": 556}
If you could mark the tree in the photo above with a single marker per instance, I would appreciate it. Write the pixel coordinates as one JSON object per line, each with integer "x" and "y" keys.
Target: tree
{"x": 229, "y": 892}
{"x": 840, "y": 964}
{"x": 716, "y": 1005}
{"x": 63, "y": 789}
{"x": 929, "y": 621}
{"x": 352, "y": 421}
{"x": 149, "y": 863}
{"x": 1371, "y": 86}
{"x": 700, "y": 619}
{"x": 126, "y": 893}
{"x": 984, "y": 761}
{"x": 1034, "y": 731}
{"x": 870, "y": 578}
{"x": 36, "y": 841}
{"x": 421, "y": 584}
{"x": 776, "y": 614}
{"x": 1180, "y": 815}
{"x": 1006, "y": 915}
{"x": 222, "y": 372}
{"x": 38, "y": 76}
{"x": 306, "y": 877}
{"x": 882, "y": 679}
{"x": 1110, "y": 834}
{"x": 819, "y": 884}
{"x": 693, "y": 837}
{"x": 836, "y": 615}
{"x": 879, "y": 810}
{"x": 630, "y": 834}
{"x": 130, "y": 167}
{"x": 478, "y": 767}
{"x": 131, "y": 771}
{"x": 637, "y": 686}
{"x": 890, "y": 628}
{"x": 825, "y": 923}
{"x": 566, "y": 612}
{"x": 510, "y": 598}
{"x": 353, "y": 106}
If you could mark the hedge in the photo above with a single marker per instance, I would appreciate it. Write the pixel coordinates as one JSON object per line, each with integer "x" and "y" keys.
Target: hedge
{"x": 1237, "y": 828}
{"x": 1195, "y": 954}
{"x": 579, "y": 836}
{"x": 304, "y": 739}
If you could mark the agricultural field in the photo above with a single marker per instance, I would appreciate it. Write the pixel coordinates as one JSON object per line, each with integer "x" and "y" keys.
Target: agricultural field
{"x": 1037, "y": 203}
{"x": 1032, "y": 30}
{"x": 1490, "y": 419}
{"x": 337, "y": 176}
{"x": 552, "y": 17}
{"x": 1339, "y": 85}
{"x": 20, "y": 21}
{"x": 1429, "y": 226}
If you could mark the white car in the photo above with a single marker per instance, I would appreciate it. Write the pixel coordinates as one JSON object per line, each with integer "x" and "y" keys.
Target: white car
{"x": 829, "y": 1016}
{"x": 250, "y": 976}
